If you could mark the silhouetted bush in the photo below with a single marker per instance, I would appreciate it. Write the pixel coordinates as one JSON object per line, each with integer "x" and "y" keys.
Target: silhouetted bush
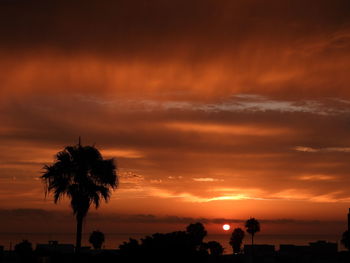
{"x": 96, "y": 239}
{"x": 130, "y": 250}
{"x": 215, "y": 248}
{"x": 170, "y": 247}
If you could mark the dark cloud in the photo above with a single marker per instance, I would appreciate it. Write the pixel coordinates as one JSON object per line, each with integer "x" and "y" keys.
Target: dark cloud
{"x": 26, "y": 213}
{"x": 133, "y": 27}
{"x": 40, "y": 214}
{"x": 185, "y": 49}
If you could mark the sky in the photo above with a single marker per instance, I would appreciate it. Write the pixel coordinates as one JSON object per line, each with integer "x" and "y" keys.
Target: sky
{"x": 214, "y": 111}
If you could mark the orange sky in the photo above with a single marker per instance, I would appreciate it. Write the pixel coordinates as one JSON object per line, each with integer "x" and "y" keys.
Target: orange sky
{"x": 219, "y": 110}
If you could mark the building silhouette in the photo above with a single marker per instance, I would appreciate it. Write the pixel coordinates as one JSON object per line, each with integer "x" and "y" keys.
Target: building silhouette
{"x": 54, "y": 247}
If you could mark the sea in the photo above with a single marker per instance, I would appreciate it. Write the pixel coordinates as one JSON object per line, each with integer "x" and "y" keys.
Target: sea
{"x": 113, "y": 240}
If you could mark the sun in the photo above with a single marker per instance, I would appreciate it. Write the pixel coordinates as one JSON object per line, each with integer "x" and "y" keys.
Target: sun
{"x": 226, "y": 227}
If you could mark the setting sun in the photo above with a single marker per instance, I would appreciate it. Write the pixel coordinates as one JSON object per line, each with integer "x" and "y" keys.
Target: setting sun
{"x": 226, "y": 227}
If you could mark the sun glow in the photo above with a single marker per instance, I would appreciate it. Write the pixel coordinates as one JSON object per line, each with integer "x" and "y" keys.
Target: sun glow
{"x": 226, "y": 227}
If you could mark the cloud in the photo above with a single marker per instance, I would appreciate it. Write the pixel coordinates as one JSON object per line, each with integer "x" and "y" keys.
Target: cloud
{"x": 206, "y": 179}
{"x": 227, "y": 129}
{"x": 24, "y": 214}
{"x": 132, "y": 27}
{"x": 188, "y": 197}
{"x": 305, "y": 149}
{"x": 121, "y": 153}
{"x": 304, "y": 195}
{"x": 161, "y": 151}
{"x": 238, "y": 103}
{"x": 180, "y": 50}
{"x": 326, "y": 149}
{"x": 316, "y": 177}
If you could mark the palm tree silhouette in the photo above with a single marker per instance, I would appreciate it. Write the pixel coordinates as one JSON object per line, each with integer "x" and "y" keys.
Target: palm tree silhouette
{"x": 81, "y": 173}
{"x": 252, "y": 226}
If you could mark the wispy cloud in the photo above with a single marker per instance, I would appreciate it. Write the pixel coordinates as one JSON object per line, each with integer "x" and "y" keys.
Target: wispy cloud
{"x": 206, "y": 179}
{"x": 326, "y": 149}
{"x": 120, "y": 153}
{"x": 317, "y": 177}
{"x": 237, "y": 103}
{"x": 223, "y": 194}
{"x": 189, "y": 197}
{"x": 252, "y": 130}
{"x": 303, "y": 195}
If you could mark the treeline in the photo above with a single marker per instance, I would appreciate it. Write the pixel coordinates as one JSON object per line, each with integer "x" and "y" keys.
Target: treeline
{"x": 178, "y": 246}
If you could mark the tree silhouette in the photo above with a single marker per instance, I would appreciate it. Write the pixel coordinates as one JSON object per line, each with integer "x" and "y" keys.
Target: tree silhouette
{"x": 197, "y": 233}
{"x": 96, "y": 239}
{"x": 252, "y": 226}
{"x": 80, "y": 173}
{"x": 237, "y": 239}
{"x": 178, "y": 246}
{"x": 130, "y": 247}
{"x": 215, "y": 248}
{"x": 346, "y": 239}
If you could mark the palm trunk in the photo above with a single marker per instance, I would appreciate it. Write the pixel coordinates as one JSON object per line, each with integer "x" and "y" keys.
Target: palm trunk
{"x": 79, "y": 233}
{"x": 252, "y": 251}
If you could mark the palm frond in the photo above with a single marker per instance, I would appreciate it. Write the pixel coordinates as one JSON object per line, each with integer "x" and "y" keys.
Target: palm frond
{"x": 105, "y": 173}
{"x": 80, "y": 173}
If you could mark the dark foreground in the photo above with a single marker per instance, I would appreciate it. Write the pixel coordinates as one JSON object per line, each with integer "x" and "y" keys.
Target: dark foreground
{"x": 101, "y": 256}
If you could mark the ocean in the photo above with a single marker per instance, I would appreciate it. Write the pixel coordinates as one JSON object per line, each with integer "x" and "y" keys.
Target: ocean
{"x": 113, "y": 240}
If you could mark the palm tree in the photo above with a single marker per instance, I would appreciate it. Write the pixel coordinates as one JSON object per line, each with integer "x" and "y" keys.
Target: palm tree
{"x": 252, "y": 226}
{"x": 81, "y": 173}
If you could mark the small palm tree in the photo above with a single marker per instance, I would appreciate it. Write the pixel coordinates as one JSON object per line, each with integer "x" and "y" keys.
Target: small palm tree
{"x": 81, "y": 173}
{"x": 96, "y": 239}
{"x": 252, "y": 226}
